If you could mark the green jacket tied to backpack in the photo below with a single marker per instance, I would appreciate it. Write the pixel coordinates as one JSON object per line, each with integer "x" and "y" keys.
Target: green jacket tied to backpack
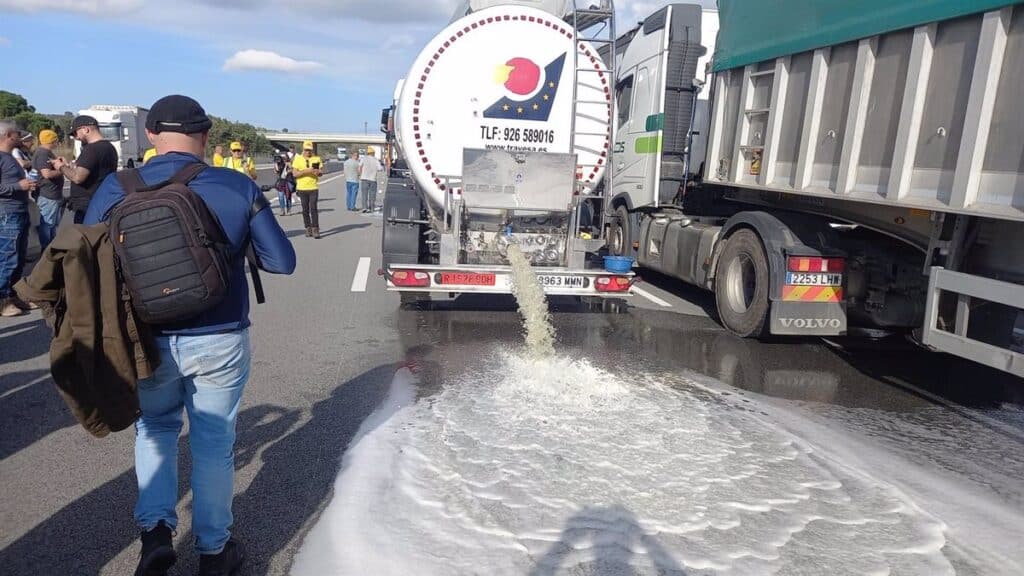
{"x": 99, "y": 351}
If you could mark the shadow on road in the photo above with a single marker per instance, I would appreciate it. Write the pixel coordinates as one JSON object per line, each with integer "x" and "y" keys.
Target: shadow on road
{"x": 331, "y": 232}
{"x": 24, "y": 341}
{"x": 87, "y": 534}
{"x": 298, "y": 470}
{"x": 30, "y": 409}
{"x": 610, "y": 535}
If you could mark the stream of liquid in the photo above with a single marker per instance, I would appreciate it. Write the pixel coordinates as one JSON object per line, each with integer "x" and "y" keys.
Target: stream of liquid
{"x": 533, "y": 305}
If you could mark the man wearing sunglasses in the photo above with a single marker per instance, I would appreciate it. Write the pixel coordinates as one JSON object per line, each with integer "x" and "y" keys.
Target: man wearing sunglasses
{"x": 95, "y": 162}
{"x": 307, "y": 170}
{"x": 14, "y": 222}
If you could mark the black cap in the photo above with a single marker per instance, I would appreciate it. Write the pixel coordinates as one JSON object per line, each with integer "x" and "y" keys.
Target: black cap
{"x": 82, "y": 121}
{"x": 177, "y": 113}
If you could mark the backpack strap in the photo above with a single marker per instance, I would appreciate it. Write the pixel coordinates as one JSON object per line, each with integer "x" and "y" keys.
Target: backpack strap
{"x": 132, "y": 181}
{"x": 258, "y": 204}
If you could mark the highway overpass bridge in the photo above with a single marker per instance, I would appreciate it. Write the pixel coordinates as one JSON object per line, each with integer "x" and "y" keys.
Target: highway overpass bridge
{"x": 326, "y": 143}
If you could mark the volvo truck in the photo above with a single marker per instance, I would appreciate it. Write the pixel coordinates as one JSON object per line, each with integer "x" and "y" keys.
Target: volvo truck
{"x": 852, "y": 168}
{"x": 125, "y": 128}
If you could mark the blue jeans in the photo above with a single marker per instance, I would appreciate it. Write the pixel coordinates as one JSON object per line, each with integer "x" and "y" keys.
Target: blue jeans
{"x": 284, "y": 201}
{"x": 13, "y": 248}
{"x": 205, "y": 375}
{"x": 352, "y": 190}
{"x": 50, "y": 212}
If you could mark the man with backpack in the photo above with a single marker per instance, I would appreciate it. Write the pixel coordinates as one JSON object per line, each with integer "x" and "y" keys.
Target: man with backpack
{"x": 205, "y": 356}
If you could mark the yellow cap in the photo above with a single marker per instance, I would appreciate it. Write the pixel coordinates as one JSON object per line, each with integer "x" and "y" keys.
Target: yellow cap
{"x": 307, "y": 145}
{"x": 236, "y": 146}
{"x": 369, "y": 150}
{"x": 47, "y": 137}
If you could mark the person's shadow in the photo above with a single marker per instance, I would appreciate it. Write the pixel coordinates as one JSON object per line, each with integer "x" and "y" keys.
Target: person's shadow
{"x": 612, "y": 533}
{"x": 298, "y": 472}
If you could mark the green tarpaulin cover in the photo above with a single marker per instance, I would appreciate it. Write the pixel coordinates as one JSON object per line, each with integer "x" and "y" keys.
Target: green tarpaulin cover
{"x": 756, "y": 30}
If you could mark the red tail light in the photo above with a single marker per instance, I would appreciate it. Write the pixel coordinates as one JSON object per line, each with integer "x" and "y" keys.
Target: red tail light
{"x": 613, "y": 284}
{"x": 410, "y": 278}
{"x": 813, "y": 264}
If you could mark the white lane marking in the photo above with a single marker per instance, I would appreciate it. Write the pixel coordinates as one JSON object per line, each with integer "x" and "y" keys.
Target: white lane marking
{"x": 651, "y": 297}
{"x": 362, "y": 274}
{"x": 331, "y": 179}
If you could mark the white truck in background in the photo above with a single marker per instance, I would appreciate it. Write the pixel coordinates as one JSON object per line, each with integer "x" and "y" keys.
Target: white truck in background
{"x": 125, "y": 128}
{"x": 856, "y": 166}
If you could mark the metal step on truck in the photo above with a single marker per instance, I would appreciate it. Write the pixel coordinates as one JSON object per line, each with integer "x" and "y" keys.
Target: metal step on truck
{"x": 504, "y": 142}
{"x": 855, "y": 168}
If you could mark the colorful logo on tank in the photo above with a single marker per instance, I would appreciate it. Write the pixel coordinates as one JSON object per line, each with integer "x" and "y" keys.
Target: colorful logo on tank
{"x": 530, "y": 91}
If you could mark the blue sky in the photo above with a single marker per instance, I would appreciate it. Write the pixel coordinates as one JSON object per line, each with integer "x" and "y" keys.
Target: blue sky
{"x": 317, "y": 65}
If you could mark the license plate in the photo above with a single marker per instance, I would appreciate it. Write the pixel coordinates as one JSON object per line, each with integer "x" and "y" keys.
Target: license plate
{"x": 467, "y": 278}
{"x": 567, "y": 281}
{"x": 813, "y": 279}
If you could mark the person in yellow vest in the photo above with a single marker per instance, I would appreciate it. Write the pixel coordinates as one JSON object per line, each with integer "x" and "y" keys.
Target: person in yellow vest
{"x": 218, "y": 156}
{"x": 238, "y": 162}
{"x": 307, "y": 170}
{"x": 148, "y": 155}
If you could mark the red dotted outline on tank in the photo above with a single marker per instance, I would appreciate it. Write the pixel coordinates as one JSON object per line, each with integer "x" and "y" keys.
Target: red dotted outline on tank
{"x": 587, "y": 52}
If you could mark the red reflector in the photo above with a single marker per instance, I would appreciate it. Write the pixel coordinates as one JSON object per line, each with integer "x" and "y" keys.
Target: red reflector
{"x": 468, "y": 278}
{"x": 410, "y": 278}
{"x": 814, "y": 264}
{"x": 612, "y": 284}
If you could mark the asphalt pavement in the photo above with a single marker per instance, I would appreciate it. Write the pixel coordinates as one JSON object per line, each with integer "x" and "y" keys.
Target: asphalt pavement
{"x": 326, "y": 346}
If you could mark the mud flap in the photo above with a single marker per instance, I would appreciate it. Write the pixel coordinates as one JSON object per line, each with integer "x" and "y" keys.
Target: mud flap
{"x": 808, "y": 318}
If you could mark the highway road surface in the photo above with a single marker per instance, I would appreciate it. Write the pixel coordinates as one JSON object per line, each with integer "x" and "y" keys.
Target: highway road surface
{"x": 378, "y": 440}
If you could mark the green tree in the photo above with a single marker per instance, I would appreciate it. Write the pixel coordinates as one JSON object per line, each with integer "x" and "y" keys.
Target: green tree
{"x": 225, "y": 132}
{"x": 12, "y": 104}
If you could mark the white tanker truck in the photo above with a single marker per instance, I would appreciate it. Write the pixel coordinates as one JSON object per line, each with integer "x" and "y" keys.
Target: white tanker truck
{"x": 503, "y": 128}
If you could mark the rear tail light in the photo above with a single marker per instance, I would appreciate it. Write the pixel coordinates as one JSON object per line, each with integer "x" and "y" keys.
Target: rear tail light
{"x": 410, "y": 278}
{"x": 613, "y": 284}
{"x": 813, "y": 264}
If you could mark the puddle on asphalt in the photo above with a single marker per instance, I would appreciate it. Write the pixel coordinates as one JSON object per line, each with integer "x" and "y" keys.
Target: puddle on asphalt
{"x": 557, "y": 466}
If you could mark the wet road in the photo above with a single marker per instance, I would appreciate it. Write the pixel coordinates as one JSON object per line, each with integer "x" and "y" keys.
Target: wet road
{"x": 654, "y": 442}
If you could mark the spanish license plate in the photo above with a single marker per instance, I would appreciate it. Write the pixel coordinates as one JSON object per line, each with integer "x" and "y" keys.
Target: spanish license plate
{"x": 563, "y": 281}
{"x": 813, "y": 279}
{"x": 468, "y": 278}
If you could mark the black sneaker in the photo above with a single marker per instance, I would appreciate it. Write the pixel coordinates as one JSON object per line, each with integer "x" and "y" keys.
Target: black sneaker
{"x": 157, "y": 551}
{"x": 226, "y": 563}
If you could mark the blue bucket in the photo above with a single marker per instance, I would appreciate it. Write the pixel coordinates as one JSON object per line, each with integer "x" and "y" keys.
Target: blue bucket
{"x": 618, "y": 264}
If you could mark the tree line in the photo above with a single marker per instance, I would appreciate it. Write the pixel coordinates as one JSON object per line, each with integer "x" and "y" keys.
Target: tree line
{"x": 16, "y": 107}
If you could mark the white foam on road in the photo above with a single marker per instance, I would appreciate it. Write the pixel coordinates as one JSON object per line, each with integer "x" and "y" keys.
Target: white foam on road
{"x": 362, "y": 275}
{"x": 554, "y": 466}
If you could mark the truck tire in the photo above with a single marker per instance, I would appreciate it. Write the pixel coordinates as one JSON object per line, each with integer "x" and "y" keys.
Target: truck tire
{"x": 741, "y": 285}
{"x": 620, "y": 240}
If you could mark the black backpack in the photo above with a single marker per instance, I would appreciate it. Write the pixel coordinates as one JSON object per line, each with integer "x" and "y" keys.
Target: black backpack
{"x": 172, "y": 253}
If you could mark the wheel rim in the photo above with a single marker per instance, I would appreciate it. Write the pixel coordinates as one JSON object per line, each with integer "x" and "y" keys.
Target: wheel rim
{"x": 740, "y": 284}
{"x": 617, "y": 239}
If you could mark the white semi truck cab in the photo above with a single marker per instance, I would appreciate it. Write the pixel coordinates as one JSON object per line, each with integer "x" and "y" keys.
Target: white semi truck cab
{"x": 124, "y": 127}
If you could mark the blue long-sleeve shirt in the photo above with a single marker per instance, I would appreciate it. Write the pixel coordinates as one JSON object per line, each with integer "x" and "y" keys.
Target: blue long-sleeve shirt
{"x": 230, "y": 196}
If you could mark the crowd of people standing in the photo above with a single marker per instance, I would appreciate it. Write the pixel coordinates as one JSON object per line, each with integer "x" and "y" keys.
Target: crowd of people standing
{"x": 33, "y": 172}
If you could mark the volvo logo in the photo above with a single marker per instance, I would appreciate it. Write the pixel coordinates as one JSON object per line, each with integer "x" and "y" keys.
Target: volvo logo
{"x": 811, "y": 323}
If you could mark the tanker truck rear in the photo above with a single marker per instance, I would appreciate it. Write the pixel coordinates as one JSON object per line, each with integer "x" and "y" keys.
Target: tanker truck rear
{"x": 855, "y": 167}
{"x": 503, "y": 131}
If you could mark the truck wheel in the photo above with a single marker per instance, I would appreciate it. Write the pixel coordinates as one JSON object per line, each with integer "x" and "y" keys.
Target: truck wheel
{"x": 741, "y": 285}
{"x": 619, "y": 235}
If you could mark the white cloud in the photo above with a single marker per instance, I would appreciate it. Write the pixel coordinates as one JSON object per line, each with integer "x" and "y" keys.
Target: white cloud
{"x": 271, "y": 61}
{"x": 95, "y": 7}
